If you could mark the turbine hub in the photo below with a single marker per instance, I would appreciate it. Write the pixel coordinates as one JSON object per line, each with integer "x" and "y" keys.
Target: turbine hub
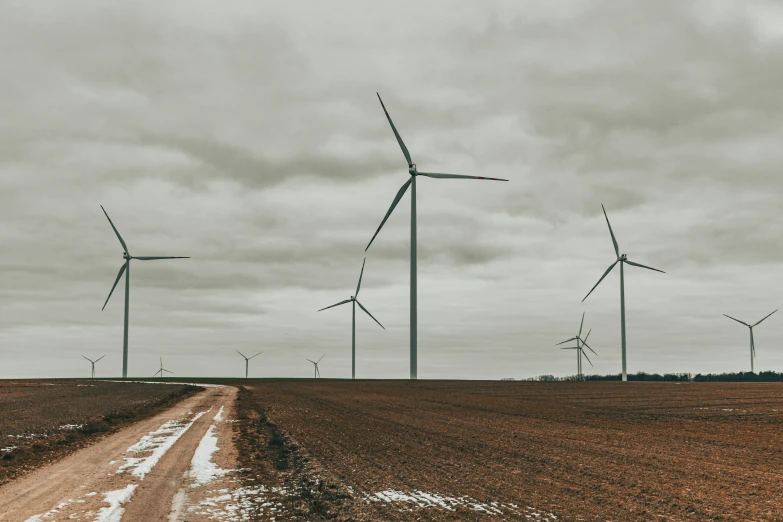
{"x": 412, "y": 170}
{"x": 126, "y": 255}
{"x": 623, "y": 257}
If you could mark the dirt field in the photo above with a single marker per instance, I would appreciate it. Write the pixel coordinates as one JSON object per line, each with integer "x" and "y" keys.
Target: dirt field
{"x": 41, "y": 421}
{"x": 454, "y": 450}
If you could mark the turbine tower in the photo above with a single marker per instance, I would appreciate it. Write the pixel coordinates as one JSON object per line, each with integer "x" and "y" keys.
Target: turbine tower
{"x": 622, "y": 259}
{"x": 247, "y": 359}
{"x": 354, "y": 300}
{"x": 93, "y": 363}
{"x": 414, "y": 173}
{"x": 126, "y": 268}
{"x": 162, "y": 369}
{"x": 580, "y": 344}
{"x": 316, "y": 371}
{"x": 752, "y": 345}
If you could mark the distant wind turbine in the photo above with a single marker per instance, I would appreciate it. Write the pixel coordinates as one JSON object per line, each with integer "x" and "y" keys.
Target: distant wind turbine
{"x": 93, "y": 363}
{"x": 622, "y": 259}
{"x": 354, "y": 300}
{"x": 162, "y": 369}
{"x": 126, "y": 268}
{"x": 580, "y": 344}
{"x": 752, "y": 345}
{"x": 316, "y": 371}
{"x": 247, "y": 359}
{"x": 412, "y": 170}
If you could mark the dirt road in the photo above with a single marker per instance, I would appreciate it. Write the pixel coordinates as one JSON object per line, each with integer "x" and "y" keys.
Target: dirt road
{"x": 168, "y": 467}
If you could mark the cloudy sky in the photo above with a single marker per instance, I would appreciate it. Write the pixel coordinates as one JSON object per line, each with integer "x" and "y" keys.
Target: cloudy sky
{"x": 248, "y": 136}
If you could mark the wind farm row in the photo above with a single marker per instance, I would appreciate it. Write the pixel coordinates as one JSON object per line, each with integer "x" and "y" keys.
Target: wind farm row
{"x": 410, "y": 183}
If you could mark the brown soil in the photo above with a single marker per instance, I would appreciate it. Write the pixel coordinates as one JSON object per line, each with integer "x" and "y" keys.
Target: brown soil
{"x": 583, "y": 451}
{"x": 44, "y": 421}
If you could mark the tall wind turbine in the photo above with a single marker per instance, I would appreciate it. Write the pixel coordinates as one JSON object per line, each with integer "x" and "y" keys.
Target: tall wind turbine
{"x": 162, "y": 369}
{"x": 580, "y": 344}
{"x": 93, "y": 363}
{"x": 622, "y": 259}
{"x": 752, "y": 345}
{"x": 414, "y": 173}
{"x": 247, "y": 359}
{"x": 126, "y": 268}
{"x": 354, "y": 300}
{"x": 316, "y": 371}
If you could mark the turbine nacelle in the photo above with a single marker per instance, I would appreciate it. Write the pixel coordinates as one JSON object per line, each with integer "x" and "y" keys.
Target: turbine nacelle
{"x": 412, "y": 170}
{"x": 622, "y": 258}
{"x": 126, "y": 255}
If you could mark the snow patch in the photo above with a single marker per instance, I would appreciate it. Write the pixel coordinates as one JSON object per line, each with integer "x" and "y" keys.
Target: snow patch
{"x": 219, "y": 415}
{"x": 158, "y": 442}
{"x": 115, "y": 499}
{"x": 421, "y": 499}
{"x": 202, "y": 469}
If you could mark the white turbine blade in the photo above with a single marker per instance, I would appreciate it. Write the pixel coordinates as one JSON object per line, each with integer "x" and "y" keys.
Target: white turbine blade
{"x": 586, "y": 357}
{"x": 90, "y": 359}
{"x": 256, "y": 355}
{"x": 586, "y": 336}
{"x": 570, "y": 348}
{"x": 456, "y": 176}
{"x": 99, "y": 358}
{"x": 599, "y": 281}
{"x": 567, "y": 340}
{"x": 172, "y": 373}
{"x": 148, "y": 258}
{"x": 588, "y": 346}
{"x": 581, "y": 325}
{"x": 397, "y": 198}
{"x": 764, "y": 318}
{"x": 319, "y": 360}
{"x": 614, "y": 241}
{"x": 396, "y": 134}
{"x": 368, "y": 313}
{"x": 338, "y": 304}
{"x": 240, "y": 353}
{"x": 643, "y": 266}
{"x": 360, "y": 278}
{"x": 115, "y": 230}
{"x": 122, "y": 270}
{"x": 311, "y": 361}
{"x": 740, "y": 322}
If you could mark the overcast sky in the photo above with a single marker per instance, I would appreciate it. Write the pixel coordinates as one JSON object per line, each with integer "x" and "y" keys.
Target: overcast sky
{"x": 248, "y": 136}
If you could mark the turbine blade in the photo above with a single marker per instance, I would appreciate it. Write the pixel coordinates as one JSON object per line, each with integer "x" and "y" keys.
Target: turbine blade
{"x": 89, "y": 359}
{"x": 764, "y": 318}
{"x": 240, "y": 353}
{"x": 740, "y": 322}
{"x": 570, "y": 348}
{"x": 397, "y": 198}
{"x": 172, "y": 373}
{"x": 319, "y": 360}
{"x": 115, "y": 230}
{"x": 581, "y": 325}
{"x": 311, "y": 361}
{"x": 148, "y": 258}
{"x": 122, "y": 270}
{"x": 643, "y": 266}
{"x": 396, "y": 134}
{"x": 360, "y": 278}
{"x": 368, "y": 313}
{"x": 259, "y": 353}
{"x": 99, "y": 358}
{"x": 586, "y": 336}
{"x": 588, "y": 346}
{"x": 338, "y": 304}
{"x": 614, "y": 241}
{"x": 586, "y": 357}
{"x": 456, "y": 176}
{"x": 599, "y": 281}
{"x": 567, "y": 340}
{"x": 752, "y": 343}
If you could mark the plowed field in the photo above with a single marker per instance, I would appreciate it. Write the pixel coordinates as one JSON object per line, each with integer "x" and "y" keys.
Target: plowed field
{"x": 396, "y": 450}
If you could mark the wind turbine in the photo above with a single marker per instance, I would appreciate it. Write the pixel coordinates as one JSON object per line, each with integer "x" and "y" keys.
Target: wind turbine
{"x": 126, "y": 268}
{"x": 93, "y": 363}
{"x": 622, "y": 259}
{"x": 414, "y": 173}
{"x": 247, "y": 359}
{"x": 162, "y": 369}
{"x": 580, "y": 344}
{"x": 316, "y": 371}
{"x": 752, "y": 345}
{"x": 354, "y": 301}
